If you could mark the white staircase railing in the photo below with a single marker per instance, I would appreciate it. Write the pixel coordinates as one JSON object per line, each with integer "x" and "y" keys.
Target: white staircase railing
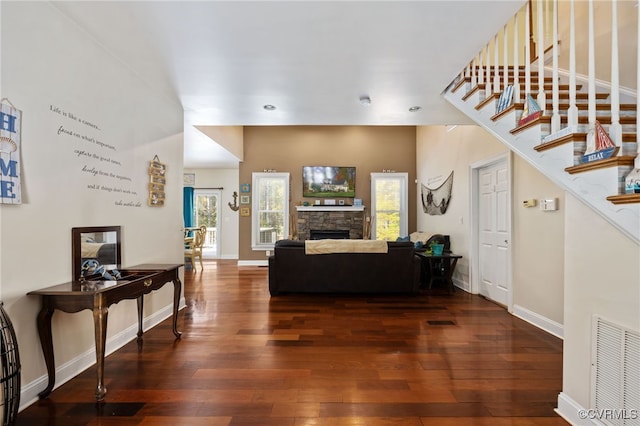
{"x": 602, "y": 186}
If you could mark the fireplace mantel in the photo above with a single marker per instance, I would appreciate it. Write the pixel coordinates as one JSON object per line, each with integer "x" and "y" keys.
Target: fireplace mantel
{"x": 330, "y": 208}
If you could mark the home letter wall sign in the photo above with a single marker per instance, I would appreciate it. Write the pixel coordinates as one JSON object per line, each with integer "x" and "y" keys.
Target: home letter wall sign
{"x": 10, "y": 125}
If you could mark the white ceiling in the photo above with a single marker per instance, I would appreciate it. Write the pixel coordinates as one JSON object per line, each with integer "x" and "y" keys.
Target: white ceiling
{"x": 313, "y": 60}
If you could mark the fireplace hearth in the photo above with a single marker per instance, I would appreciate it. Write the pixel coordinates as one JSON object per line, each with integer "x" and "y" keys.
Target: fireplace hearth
{"x": 335, "y": 234}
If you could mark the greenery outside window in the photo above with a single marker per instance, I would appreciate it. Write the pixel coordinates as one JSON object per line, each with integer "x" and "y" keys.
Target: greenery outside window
{"x": 389, "y": 200}
{"x": 270, "y": 209}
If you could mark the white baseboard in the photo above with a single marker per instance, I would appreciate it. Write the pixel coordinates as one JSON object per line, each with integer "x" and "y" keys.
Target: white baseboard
{"x": 229, "y": 257}
{"x": 253, "y": 263}
{"x": 70, "y": 369}
{"x": 570, "y": 410}
{"x": 461, "y": 285}
{"x": 222, "y": 257}
{"x": 539, "y": 321}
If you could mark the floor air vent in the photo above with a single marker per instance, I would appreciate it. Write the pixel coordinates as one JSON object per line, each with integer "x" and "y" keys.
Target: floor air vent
{"x": 441, "y": 322}
{"x": 615, "y": 374}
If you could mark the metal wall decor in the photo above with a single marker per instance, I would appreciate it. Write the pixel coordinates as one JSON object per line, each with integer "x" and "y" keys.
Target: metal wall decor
{"x": 234, "y": 206}
{"x": 157, "y": 180}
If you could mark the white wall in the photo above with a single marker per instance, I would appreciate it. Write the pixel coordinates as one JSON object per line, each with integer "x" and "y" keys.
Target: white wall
{"x": 602, "y": 277}
{"x": 227, "y": 179}
{"x": 61, "y": 78}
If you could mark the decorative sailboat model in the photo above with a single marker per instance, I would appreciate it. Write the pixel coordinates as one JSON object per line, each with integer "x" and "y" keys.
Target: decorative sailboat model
{"x": 599, "y": 145}
{"x": 530, "y": 112}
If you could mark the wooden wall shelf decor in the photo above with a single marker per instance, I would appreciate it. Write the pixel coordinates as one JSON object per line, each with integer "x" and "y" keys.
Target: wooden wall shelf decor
{"x": 157, "y": 180}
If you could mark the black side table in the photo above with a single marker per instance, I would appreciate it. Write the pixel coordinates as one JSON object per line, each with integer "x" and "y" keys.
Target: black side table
{"x": 439, "y": 267}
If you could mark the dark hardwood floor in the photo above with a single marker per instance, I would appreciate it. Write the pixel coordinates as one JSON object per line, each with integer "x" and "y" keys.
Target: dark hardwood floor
{"x": 293, "y": 360}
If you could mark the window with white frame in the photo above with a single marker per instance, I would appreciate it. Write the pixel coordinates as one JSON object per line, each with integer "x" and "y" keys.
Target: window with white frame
{"x": 389, "y": 205}
{"x": 269, "y": 209}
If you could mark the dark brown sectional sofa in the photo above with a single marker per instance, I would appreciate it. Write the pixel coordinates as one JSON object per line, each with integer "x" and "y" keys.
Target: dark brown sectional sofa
{"x": 292, "y": 271}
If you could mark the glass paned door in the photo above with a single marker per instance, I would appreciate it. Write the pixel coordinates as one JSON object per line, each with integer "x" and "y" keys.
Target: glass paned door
{"x": 389, "y": 205}
{"x": 207, "y": 212}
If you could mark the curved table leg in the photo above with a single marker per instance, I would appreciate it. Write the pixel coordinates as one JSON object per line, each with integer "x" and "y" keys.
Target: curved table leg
{"x": 177, "y": 289}
{"x": 46, "y": 341}
{"x": 140, "y": 303}
{"x": 100, "y": 315}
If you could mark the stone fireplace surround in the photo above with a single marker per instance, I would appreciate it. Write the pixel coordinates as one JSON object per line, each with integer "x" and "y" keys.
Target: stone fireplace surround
{"x": 330, "y": 218}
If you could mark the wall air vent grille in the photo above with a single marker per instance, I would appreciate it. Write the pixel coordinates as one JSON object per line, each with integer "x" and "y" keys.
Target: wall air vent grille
{"x": 615, "y": 385}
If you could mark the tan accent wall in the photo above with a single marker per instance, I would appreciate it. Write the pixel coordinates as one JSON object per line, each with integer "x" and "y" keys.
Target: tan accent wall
{"x": 289, "y": 148}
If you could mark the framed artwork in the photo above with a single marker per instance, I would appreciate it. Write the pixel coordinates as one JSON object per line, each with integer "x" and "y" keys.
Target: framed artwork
{"x": 245, "y": 211}
{"x": 245, "y": 187}
{"x": 245, "y": 199}
{"x": 157, "y": 180}
{"x": 189, "y": 179}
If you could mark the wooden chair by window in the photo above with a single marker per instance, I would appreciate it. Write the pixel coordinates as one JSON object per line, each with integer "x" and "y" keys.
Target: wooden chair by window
{"x": 193, "y": 249}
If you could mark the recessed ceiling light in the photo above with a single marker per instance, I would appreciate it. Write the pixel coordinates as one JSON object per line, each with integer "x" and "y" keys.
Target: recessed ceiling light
{"x": 269, "y": 107}
{"x": 415, "y": 108}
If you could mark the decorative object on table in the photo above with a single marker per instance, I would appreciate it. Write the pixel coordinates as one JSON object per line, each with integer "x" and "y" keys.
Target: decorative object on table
{"x": 245, "y": 199}
{"x": 189, "y": 179}
{"x": 234, "y": 206}
{"x": 245, "y": 211}
{"x": 357, "y": 202}
{"x": 506, "y": 98}
{"x": 531, "y": 111}
{"x": 10, "y": 142}
{"x": 632, "y": 182}
{"x": 245, "y": 187}
{"x": 435, "y": 201}
{"x": 157, "y": 180}
{"x": 437, "y": 249}
{"x": 10, "y": 376}
{"x": 599, "y": 145}
{"x": 93, "y": 269}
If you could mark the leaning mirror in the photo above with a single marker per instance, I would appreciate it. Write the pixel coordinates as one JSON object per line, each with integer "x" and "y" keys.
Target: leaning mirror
{"x": 94, "y": 251}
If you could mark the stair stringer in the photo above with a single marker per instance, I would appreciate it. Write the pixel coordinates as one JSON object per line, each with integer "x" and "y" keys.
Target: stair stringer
{"x": 591, "y": 187}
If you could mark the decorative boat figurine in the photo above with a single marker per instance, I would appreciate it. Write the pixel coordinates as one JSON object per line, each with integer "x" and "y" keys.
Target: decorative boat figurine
{"x": 599, "y": 145}
{"x": 530, "y": 112}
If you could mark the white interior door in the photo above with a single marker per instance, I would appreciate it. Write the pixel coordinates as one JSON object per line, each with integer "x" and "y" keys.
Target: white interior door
{"x": 493, "y": 227}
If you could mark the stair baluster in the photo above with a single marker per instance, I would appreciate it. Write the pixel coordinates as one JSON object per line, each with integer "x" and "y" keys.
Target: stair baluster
{"x": 554, "y": 143}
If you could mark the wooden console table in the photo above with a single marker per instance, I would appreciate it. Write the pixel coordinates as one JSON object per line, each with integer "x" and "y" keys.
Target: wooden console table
{"x": 76, "y": 296}
{"x": 446, "y": 272}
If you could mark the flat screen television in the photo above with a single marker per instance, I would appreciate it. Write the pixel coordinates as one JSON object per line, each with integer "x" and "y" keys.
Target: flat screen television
{"x": 328, "y": 181}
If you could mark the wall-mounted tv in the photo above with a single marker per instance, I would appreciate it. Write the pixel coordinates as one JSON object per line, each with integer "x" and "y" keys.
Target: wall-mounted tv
{"x": 327, "y": 181}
